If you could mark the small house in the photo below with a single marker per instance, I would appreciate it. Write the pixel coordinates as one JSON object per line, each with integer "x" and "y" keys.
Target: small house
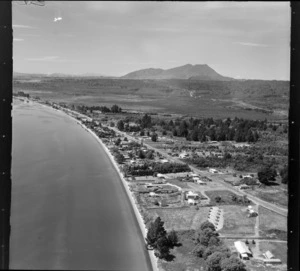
{"x": 243, "y": 250}
{"x": 183, "y": 155}
{"x": 159, "y": 175}
{"x": 192, "y": 198}
{"x": 212, "y": 170}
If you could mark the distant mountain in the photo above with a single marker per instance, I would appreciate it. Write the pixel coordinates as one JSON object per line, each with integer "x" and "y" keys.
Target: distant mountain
{"x": 193, "y": 72}
{"x": 62, "y": 75}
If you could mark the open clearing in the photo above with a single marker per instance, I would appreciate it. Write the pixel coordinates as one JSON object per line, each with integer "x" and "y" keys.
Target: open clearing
{"x": 236, "y": 221}
{"x": 279, "y": 250}
{"x": 180, "y": 218}
{"x": 271, "y": 223}
{"x": 272, "y": 195}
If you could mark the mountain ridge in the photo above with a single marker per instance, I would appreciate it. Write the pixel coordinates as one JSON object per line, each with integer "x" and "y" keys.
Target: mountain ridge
{"x": 188, "y": 71}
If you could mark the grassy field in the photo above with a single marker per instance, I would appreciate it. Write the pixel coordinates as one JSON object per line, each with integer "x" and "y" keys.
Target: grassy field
{"x": 183, "y": 185}
{"x": 271, "y": 222}
{"x": 279, "y": 250}
{"x": 180, "y": 218}
{"x": 236, "y": 221}
{"x": 272, "y": 195}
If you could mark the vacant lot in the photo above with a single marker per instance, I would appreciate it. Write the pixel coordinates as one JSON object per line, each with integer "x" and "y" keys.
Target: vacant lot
{"x": 236, "y": 221}
{"x": 272, "y": 224}
{"x": 180, "y": 218}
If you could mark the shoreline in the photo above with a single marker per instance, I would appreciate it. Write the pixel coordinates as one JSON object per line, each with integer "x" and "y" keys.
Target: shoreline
{"x": 140, "y": 221}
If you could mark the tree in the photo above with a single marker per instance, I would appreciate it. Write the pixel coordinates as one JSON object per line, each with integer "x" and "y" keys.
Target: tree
{"x": 156, "y": 231}
{"x": 120, "y": 158}
{"x": 118, "y": 142}
{"x": 284, "y": 175}
{"x": 120, "y": 125}
{"x": 213, "y": 262}
{"x": 205, "y": 236}
{"x": 173, "y": 238}
{"x": 115, "y": 109}
{"x": 206, "y": 225}
{"x": 183, "y": 131}
{"x": 218, "y": 199}
{"x": 232, "y": 264}
{"x": 163, "y": 247}
{"x": 266, "y": 174}
{"x": 142, "y": 133}
{"x": 199, "y": 250}
{"x": 146, "y": 121}
{"x": 218, "y": 248}
{"x": 154, "y": 137}
{"x": 227, "y": 155}
{"x": 141, "y": 154}
{"x": 149, "y": 154}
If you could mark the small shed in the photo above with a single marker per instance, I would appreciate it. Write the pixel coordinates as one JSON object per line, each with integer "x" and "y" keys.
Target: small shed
{"x": 268, "y": 255}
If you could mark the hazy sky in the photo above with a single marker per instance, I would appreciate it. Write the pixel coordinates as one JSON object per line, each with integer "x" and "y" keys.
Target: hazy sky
{"x": 248, "y": 40}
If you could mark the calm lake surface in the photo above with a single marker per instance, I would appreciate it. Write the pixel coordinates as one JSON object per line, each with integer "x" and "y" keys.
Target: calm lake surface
{"x": 69, "y": 208}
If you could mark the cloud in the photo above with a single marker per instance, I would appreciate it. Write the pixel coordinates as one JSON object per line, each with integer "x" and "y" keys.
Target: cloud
{"x": 52, "y": 59}
{"x": 120, "y": 7}
{"x": 17, "y": 39}
{"x": 252, "y": 44}
{"x": 45, "y": 58}
{"x": 22, "y": 26}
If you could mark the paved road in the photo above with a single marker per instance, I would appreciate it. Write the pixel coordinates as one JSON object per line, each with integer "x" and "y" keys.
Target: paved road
{"x": 69, "y": 208}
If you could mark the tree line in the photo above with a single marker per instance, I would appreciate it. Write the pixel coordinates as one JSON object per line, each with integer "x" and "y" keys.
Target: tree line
{"x": 150, "y": 168}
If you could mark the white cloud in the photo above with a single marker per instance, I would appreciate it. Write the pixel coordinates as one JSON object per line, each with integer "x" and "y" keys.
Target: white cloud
{"x": 52, "y": 59}
{"x": 252, "y": 44}
{"x": 45, "y": 58}
{"x": 17, "y": 39}
{"x": 22, "y": 26}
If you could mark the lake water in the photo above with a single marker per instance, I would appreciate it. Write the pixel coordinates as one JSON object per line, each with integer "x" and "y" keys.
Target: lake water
{"x": 69, "y": 208}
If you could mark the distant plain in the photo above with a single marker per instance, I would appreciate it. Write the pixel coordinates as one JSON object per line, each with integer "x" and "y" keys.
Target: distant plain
{"x": 252, "y": 99}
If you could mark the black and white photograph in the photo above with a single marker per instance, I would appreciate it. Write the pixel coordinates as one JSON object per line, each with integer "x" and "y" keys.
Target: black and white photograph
{"x": 149, "y": 135}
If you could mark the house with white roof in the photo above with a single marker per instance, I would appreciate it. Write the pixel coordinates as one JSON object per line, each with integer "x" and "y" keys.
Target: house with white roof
{"x": 243, "y": 250}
